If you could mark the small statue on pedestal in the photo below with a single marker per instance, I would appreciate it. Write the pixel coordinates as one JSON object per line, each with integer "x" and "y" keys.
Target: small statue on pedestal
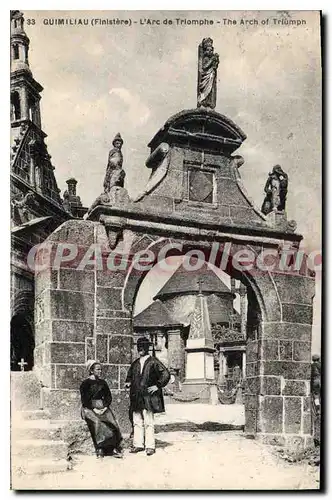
{"x": 276, "y": 191}
{"x": 208, "y": 63}
{"x": 115, "y": 174}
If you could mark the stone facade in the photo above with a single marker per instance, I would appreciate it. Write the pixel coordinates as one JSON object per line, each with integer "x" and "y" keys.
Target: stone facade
{"x": 195, "y": 201}
{"x": 36, "y": 206}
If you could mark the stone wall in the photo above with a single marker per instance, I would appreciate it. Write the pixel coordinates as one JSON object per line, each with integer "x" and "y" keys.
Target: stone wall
{"x": 278, "y": 368}
{"x": 84, "y": 313}
{"x": 79, "y": 316}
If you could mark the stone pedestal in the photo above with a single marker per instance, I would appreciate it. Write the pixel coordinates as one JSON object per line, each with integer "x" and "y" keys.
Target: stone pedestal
{"x": 200, "y": 377}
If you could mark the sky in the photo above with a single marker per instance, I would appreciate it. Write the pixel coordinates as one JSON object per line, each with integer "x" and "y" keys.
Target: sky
{"x": 130, "y": 79}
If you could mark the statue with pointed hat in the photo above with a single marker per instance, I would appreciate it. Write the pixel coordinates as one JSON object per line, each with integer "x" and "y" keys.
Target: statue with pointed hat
{"x": 115, "y": 174}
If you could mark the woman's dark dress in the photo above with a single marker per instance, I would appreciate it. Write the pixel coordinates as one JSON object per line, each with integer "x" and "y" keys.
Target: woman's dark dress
{"x": 104, "y": 429}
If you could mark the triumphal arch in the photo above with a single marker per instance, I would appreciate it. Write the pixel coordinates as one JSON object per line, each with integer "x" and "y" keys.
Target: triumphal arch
{"x": 88, "y": 272}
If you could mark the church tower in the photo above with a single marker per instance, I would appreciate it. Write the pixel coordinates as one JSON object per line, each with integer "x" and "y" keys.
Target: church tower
{"x": 30, "y": 161}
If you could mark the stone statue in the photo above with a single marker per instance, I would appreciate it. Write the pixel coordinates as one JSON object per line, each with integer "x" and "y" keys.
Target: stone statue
{"x": 66, "y": 202}
{"x": 115, "y": 174}
{"x": 276, "y": 191}
{"x": 208, "y": 63}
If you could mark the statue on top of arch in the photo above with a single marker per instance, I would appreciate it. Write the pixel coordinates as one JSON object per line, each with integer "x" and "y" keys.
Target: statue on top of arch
{"x": 275, "y": 191}
{"x": 115, "y": 174}
{"x": 208, "y": 63}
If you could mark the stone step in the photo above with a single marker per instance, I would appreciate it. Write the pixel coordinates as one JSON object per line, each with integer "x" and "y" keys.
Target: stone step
{"x": 39, "y": 448}
{"x": 34, "y": 415}
{"x": 38, "y": 466}
{"x": 25, "y": 391}
{"x": 37, "y": 429}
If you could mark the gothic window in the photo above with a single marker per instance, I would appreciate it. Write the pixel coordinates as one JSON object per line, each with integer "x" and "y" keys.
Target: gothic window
{"x": 15, "y": 106}
{"x": 16, "y": 53}
{"x": 201, "y": 186}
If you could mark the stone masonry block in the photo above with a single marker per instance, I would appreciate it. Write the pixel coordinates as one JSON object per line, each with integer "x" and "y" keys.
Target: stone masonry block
{"x": 111, "y": 278}
{"x": 243, "y": 214}
{"x": 231, "y": 195}
{"x": 307, "y": 423}
{"x": 295, "y": 388}
{"x": 252, "y": 351}
{"x": 62, "y": 403}
{"x": 72, "y": 305}
{"x": 288, "y": 369}
{"x": 270, "y": 414}
{"x": 69, "y": 377}
{"x": 293, "y": 415}
{"x": 67, "y": 352}
{"x": 45, "y": 279}
{"x": 294, "y": 313}
{"x": 71, "y": 331}
{"x": 287, "y": 331}
{"x": 250, "y": 421}
{"x": 270, "y": 349}
{"x": 307, "y": 403}
{"x": 252, "y": 369}
{"x": 251, "y": 402}
{"x": 271, "y": 386}
{"x": 114, "y": 326}
{"x": 123, "y": 375}
{"x": 286, "y": 349}
{"x": 46, "y": 375}
{"x": 302, "y": 351}
{"x": 295, "y": 288}
{"x": 78, "y": 232}
{"x": 111, "y": 374}
{"x": 120, "y": 349}
{"x": 253, "y": 385}
{"x": 43, "y": 332}
{"x": 90, "y": 348}
{"x": 102, "y": 348}
{"x": 109, "y": 298}
{"x": 73, "y": 279}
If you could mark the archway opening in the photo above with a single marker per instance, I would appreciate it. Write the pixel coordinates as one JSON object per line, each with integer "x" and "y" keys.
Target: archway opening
{"x": 234, "y": 310}
{"x": 21, "y": 342}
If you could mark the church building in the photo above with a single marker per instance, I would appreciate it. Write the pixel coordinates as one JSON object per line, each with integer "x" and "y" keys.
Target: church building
{"x": 37, "y": 208}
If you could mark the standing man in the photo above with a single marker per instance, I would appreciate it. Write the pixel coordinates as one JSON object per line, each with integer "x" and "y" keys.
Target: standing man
{"x": 146, "y": 378}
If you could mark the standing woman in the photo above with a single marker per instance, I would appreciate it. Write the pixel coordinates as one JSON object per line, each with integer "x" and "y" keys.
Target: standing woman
{"x": 96, "y": 399}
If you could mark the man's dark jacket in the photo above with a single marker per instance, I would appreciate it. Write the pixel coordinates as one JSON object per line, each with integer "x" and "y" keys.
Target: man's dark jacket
{"x": 154, "y": 373}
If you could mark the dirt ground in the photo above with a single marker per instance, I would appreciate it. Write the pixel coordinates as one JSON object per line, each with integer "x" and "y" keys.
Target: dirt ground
{"x": 219, "y": 460}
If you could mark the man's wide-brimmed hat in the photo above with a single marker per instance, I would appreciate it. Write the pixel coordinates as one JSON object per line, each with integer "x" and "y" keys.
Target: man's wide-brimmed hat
{"x": 117, "y": 138}
{"x": 90, "y": 363}
{"x": 143, "y": 342}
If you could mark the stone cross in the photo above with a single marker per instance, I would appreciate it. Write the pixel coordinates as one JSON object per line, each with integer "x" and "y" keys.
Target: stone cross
{"x": 22, "y": 363}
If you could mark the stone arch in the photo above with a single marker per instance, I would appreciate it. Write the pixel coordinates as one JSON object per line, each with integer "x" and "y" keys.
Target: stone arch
{"x": 262, "y": 285}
